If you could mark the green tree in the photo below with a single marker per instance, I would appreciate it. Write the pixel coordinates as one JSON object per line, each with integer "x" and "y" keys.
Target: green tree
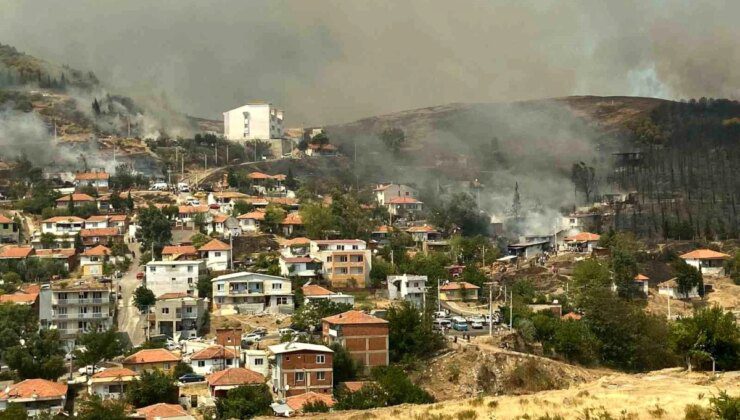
{"x": 345, "y": 367}
{"x": 589, "y": 276}
{"x": 410, "y": 333}
{"x": 144, "y": 298}
{"x": 624, "y": 268}
{"x": 14, "y": 411}
{"x": 380, "y": 271}
{"x": 732, "y": 267}
{"x": 199, "y": 220}
{"x": 709, "y": 333}
{"x": 95, "y": 408}
{"x": 393, "y": 138}
{"x": 244, "y": 402}
{"x": 205, "y": 288}
{"x": 688, "y": 278}
{"x": 181, "y": 369}
{"x": 398, "y": 387}
{"x": 241, "y": 207}
{"x": 47, "y": 240}
{"x": 460, "y": 211}
{"x": 318, "y": 220}
{"x": 39, "y": 356}
{"x": 274, "y": 215}
{"x": 351, "y": 219}
{"x": 315, "y": 406}
{"x": 199, "y": 239}
{"x": 575, "y": 341}
{"x": 151, "y": 387}
{"x": 99, "y": 346}
{"x": 155, "y": 229}
{"x": 11, "y": 282}
{"x": 308, "y": 316}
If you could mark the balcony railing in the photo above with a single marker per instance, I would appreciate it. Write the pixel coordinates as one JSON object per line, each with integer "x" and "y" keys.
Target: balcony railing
{"x": 79, "y": 301}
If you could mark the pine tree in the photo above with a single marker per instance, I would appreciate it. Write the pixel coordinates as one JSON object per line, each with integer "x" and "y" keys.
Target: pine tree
{"x": 96, "y": 106}
{"x": 516, "y": 205}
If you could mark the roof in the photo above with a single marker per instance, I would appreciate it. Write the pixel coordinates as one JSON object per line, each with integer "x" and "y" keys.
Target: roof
{"x": 458, "y": 285}
{"x": 220, "y": 218}
{"x": 172, "y": 295}
{"x": 424, "y": 228}
{"x": 705, "y": 254}
{"x": 215, "y": 245}
{"x": 354, "y": 317}
{"x": 296, "y": 242}
{"x": 669, "y": 283}
{"x": 99, "y": 218}
{"x": 151, "y": 356}
{"x": 383, "y": 229}
{"x": 56, "y": 252}
{"x": 192, "y": 209}
{"x": 76, "y": 197}
{"x": 294, "y": 347}
{"x": 403, "y": 200}
{"x": 258, "y": 175}
{"x": 297, "y": 402}
{"x": 382, "y": 187}
{"x": 338, "y": 241}
{"x": 179, "y": 250}
{"x": 16, "y": 252}
{"x": 35, "y": 388}
{"x": 322, "y": 147}
{"x": 213, "y": 352}
{"x": 162, "y": 411}
{"x": 111, "y": 231}
{"x": 583, "y": 237}
{"x": 641, "y": 277}
{"x": 25, "y": 296}
{"x": 79, "y": 284}
{"x": 235, "y": 376}
{"x": 117, "y": 372}
{"x": 293, "y": 218}
{"x": 91, "y": 176}
{"x": 62, "y": 219}
{"x": 296, "y": 260}
{"x": 229, "y": 194}
{"x": 98, "y": 251}
{"x": 256, "y": 215}
{"x": 353, "y": 386}
{"x": 572, "y": 316}
{"x": 315, "y": 290}
{"x": 4, "y": 219}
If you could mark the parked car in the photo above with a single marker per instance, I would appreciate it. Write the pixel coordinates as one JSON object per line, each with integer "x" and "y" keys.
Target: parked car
{"x": 139, "y": 276}
{"x": 459, "y": 320}
{"x": 251, "y": 338}
{"x": 476, "y": 325}
{"x": 479, "y": 319}
{"x": 460, "y": 326}
{"x": 90, "y": 370}
{"x": 441, "y": 323}
{"x": 287, "y": 331}
{"x": 191, "y": 377}
{"x": 261, "y": 331}
{"x": 440, "y": 314}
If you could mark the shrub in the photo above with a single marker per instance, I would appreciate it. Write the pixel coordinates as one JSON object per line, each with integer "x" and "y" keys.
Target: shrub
{"x": 697, "y": 412}
{"x": 316, "y": 406}
{"x": 467, "y": 415}
{"x": 530, "y": 376}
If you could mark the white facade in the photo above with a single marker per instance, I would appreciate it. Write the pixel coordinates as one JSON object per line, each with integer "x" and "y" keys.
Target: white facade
{"x": 407, "y": 287}
{"x": 217, "y": 260}
{"x": 252, "y": 293}
{"x": 255, "y": 121}
{"x": 174, "y": 276}
{"x": 74, "y": 308}
{"x": 256, "y": 360}
{"x": 63, "y": 226}
{"x": 709, "y": 267}
{"x": 385, "y": 192}
{"x": 343, "y": 261}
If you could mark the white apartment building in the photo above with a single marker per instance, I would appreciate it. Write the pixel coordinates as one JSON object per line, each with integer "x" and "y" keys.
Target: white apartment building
{"x": 67, "y": 226}
{"x": 252, "y": 293}
{"x": 216, "y": 254}
{"x": 407, "y": 287}
{"x": 344, "y": 262}
{"x": 75, "y": 306}
{"x": 96, "y": 222}
{"x": 385, "y": 192}
{"x": 253, "y": 121}
{"x": 256, "y": 360}
{"x": 174, "y": 276}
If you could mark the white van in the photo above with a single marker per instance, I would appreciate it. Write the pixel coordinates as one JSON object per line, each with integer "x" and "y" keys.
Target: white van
{"x": 159, "y": 186}
{"x": 441, "y": 323}
{"x": 183, "y": 187}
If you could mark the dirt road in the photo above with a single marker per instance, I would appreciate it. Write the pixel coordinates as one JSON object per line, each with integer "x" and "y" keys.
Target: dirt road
{"x": 130, "y": 320}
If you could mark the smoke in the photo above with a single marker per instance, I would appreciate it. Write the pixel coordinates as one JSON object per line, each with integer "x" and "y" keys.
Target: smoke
{"x": 333, "y": 61}
{"x": 26, "y": 134}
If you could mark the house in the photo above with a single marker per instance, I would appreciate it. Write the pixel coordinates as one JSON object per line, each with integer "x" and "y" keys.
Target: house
{"x": 385, "y": 192}
{"x": 178, "y": 315}
{"x": 16, "y": 252}
{"x": 554, "y": 308}
{"x": 73, "y": 307}
{"x": 150, "y": 359}
{"x": 93, "y": 259}
{"x": 179, "y": 253}
{"x": 301, "y": 368}
{"x": 296, "y": 402}
{"x": 252, "y": 293}
{"x": 250, "y": 222}
{"x": 256, "y": 360}
{"x": 25, "y": 295}
{"x": 186, "y": 215}
{"x": 315, "y": 149}
{"x": 642, "y": 283}
{"x": 381, "y": 235}
{"x": 96, "y": 222}
{"x": 66, "y": 256}
{"x": 707, "y": 261}
{"x": 174, "y": 276}
{"x": 110, "y": 383}
{"x": 214, "y": 358}
{"x": 364, "y": 336}
{"x": 670, "y": 288}
{"x": 581, "y": 222}
{"x": 92, "y": 237}
{"x": 424, "y": 233}
{"x": 216, "y": 254}
{"x": 402, "y": 206}
{"x": 221, "y": 381}
{"x": 314, "y": 292}
{"x": 528, "y": 250}
{"x": 224, "y": 225}
{"x": 119, "y": 221}
{"x": 304, "y": 267}
{"x": 292, "y": 224}
{"x": 407, "y": 287}
{"x": 96, "y": 179}
{"x": 37, "y": 396}
{"x": 229, "y": 337}
{"x": 226, "y": 199}
{"x": 9, "y": 230}
{"x": 461, "y": 290}
{"x": 162, "y": 411}
{"x": 296, "y": 247}
{"x": 582, "y": 242}
{"x": 345, "y": 262}
{"x": 253, "y": 121}
{"x": 63, "y": 226}
{"x": 77, "y": 200}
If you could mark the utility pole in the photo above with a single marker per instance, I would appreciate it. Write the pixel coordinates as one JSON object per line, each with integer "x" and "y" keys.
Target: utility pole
{"x": 490, "y": 309}
{"x": 439, "y": 302}
{"x": 205, "y": 162}
{"x": 182, "y": 165}
{"x": 669, "y": 307}
{"x": 227, "y": 153}
{"x": 215, "y": 154}
{"x": 231, "y": 251}
{"x": 511, "y": 311}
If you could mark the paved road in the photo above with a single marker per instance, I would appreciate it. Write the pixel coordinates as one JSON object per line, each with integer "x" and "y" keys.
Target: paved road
{"x": 130, "y": 321}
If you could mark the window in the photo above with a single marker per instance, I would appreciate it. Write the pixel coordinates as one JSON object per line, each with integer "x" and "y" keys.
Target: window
{"x": 166, "y": 365}
{"x": 328, "y": 259}
{"x": 355, "y": 247}
{"x": 190, "y": 280}
{"x": 190, "y": 269}
{"x": 220, "y": 287}
{"x": 340, "y": 247}
{"x": 320, "y": 359}
{"x": 189, "y": 309}
{"x": 165, "y": 310}
{"x": 174, "y": 279}
{"x": 277, "y": 286}
{"x": 282, "y": 300}
{"x": 300, "y": 376}
{"x": 320, "y": 376}
{"x": 216, "y": 254}
{"x": 259, "y": 362}
{"x": 201, "y": 363}
{"x": 229, "y": 362}
{"x": 153, "y": 269}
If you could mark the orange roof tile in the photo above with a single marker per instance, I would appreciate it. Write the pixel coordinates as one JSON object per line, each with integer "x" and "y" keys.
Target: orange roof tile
{"x": 38, "y": 388}
{"x": 213, "y": 352}
{"x": 256, "y": 215}
{"x": 111, "y": 231}
{"x": 96, "y": 219}
{"x": 421, "y": 229}
{"x": 455, "y": 285}
{"x": 4, "y": 219}
{"x": 76, "y": 197}
{"x": 297, "y": 402}
{"x": 25, "y": 296}
{"x": 235, "y": 376}
{"x": 172, "y": 295}
{"x": 117, "y": 372}
{"x": 572, "y": 316}
{"x": 192, "y": 209}
{"x": 315, "y": 290}
{"x": 296, "y": 242}
{"x": 641, "y": 277}
{"x": 162, "y": 411}
{"x": 705, "y": 254}
{"x": 293, "y": 218}
{"x": 179, "y": 250}
{"x": 403, "y": 200}
{"x": 354, "y": 317}
{"x": 56, "y": 252}
{"x": 151, "y": 356}
{"x": 64, "y": 219}
{"x": 220, "y": 218}
{"x": 17, "y": 252}
{"x": 258, "y": 175}
{"x": 215, "y": 245}
{"x": 91, "y": 176}
{"x": 353, "y": 386}
{"x": 118, "y": 217}
{"x": 583, "y": 237}
{"x": 98, "y": 251}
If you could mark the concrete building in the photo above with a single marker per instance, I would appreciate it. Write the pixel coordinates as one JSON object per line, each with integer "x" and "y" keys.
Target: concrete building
{"x": 385, "y": 192}
{"x": 707, "y": 261}
{"x": 304, "y": 267}
{"x": 345, "y": 262}
{"x": 301, "y": 368}
{"x": 93, "y": 259}
{"x": 220, "y": 382}
{"x": 582, "y": 242}
{"x": 256, "y": 360}
{"x": 458, "y": 291}
{"x": 177, "y": 314}
{"x": 407, "y": 287}
{"x": 213, "y": 359}
{"x": 148, "y": 360}
{"x": 670, "y": 288}
{"x": 216, "y": 254}
{"x": 110, "y": 383}
{"x": 36, "y": 396}
{"x": 74, "y": 306}
{"x": 252, "y": 293}
{"x": 174, "y": 276}
{"x": 314, "y": 292}
{"x": 253, "y": 121}
{"x": 9, "y": 230}
{"x": 96, "y": 179}
{"x": 77, "y": 200}
{"x": 64, "y": 228}
{"x": 250, "y": 222}
{"x": 364, "y": 336}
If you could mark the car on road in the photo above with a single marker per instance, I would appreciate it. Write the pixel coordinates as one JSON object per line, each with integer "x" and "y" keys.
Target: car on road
{"x": 460, "y": 326}
{"x": 261, "y": 331}
{"x": 442, "y": 323}
{"x": 287, "y": 331}
{"x": 479, "y": 319}
{"x": 459, "y": 320}
{"x": 476, "y": 325}
{"x": 191, "y": 377}
{"x": 251, "y": 338}
{"x": 139, "y": 276}
{"x": 183, "y": 187}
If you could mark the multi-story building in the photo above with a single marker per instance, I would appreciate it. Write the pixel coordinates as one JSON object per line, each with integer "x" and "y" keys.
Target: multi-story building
{"x": 253, "y": 121}
{"x": 93, "y": 259}
{"x": 96, "y": 222}
{"x": 97, "y": 179}
{"x": 174, "y": 276}
{"x": 385, "y": 192}
{"x": 301, "y": 368}
{"x": 93, "y": 237}
{"x": 252, "y": 293}
{"x": 363, "y": 335}
{"x": 216, "y": 254}
{"x": 345, "y": 262}
{"x": 111, "y": 383}
{"x": 407, "y": 287}
{"x": 9, "y": 229}
{"x": 64, "y": 228}
{"x": 213, "y": 359}
{"x": 77, "y": 200}
{"x": 178, "y": 313}
{"x": 75, "y": 306}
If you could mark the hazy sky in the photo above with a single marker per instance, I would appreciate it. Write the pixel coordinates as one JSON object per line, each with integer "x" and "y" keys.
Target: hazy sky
{"x": 335, "y": 61}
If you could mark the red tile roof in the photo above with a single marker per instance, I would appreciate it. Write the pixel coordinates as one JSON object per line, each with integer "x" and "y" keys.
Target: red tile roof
{"x": 118, "y": 217}
{"x": 296, "y": 242}
{"x": 151, "y": 356}
{"x": 162, "y": 411}
{"x": 297, "y": 260}
{"x": 297, "y": 402}
{"x": 213, "y": 352}
{"x": 96, "y": 219}
{"x": 353, "y": 386}
{"x": 215, "y": 245}
{"x": 172, "y": 295}
{"x": 220, "y": 218}
{"x": 35, "y": 388}
{"x": 56, "y": 252}
{"x": 583, "y": 237}
{"x": 641, "y": 277}
{"x": 179, "y": 250}
{"x": 293, "y": 218}
{"x": 354, "y": 317}
{"x": 403, "y": 200}
{"x": 235, "y": 376}
{"x": 111, "y": 231}
{"x": 27, "y": 295}
{"x": 421, "y": 229}
{"x": 256, "y": 215}
{"x": 458, "y": 285}
{"x": 705, "y": 254}
{"x": 118, "y": 372}
{"x": 91, "y": 176}
{"x": 258, "y": 175}
{"x": 17, "y": 252}
{"x": 4, "y": 219}
{"x": 192, "y": 209}
{"x": 76, "y": 197}
{"x": 64, "y": 219}
{"x": 315, "y": 290}
{"x": 98, "y": 251}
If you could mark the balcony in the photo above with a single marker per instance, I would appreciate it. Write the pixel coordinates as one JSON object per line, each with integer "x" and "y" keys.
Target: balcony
{"x": 78, "y": 315}
{"x": 79, "y": 301}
